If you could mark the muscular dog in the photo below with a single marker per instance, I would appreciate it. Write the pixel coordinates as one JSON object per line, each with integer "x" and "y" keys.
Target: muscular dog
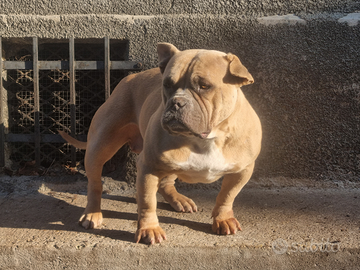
{"x": 187, "y": 119}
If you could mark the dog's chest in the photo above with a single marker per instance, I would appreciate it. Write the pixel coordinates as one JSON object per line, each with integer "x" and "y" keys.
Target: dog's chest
{"x": 204, "y": 167}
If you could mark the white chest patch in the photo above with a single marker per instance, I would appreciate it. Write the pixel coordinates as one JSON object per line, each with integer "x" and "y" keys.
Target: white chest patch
{"x": 204, "y": 167}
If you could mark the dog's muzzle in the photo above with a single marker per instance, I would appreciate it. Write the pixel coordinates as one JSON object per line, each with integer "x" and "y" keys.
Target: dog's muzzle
{"x": 180, "y": 118}
{"x": 172, "y": 120}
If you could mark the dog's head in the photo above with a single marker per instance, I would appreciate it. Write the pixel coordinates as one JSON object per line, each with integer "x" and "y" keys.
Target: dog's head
{"x": 200, "y": 89}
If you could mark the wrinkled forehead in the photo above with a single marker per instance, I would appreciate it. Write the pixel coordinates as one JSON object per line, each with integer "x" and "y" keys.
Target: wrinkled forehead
{"x": 203, "y": 63}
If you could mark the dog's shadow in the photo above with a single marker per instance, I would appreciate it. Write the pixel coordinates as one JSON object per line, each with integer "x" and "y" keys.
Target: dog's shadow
{"x": 193, "y": 225}
{"x": 45, "y": 212}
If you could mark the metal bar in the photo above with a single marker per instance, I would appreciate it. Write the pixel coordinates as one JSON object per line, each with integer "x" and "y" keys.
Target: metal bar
{"x": 28, "y": 138}
{"x": 36, "y": 99}
{"x": 45, "y": 138}
{"x": 92, "y": 65}
{"x": 18, "y": 65}
{"x": 53, "y": 65}
{"x": 79, "y": 65}
{"x": 2, "y": 106}
{"x": 107, "y": 64}
{"x": 72, "y": 96}
{"x": 126, "y": 65}
{"x": 41, "y": 64}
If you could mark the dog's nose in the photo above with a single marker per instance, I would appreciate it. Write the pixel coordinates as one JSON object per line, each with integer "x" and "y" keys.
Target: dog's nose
{"x": 178, "y": 102}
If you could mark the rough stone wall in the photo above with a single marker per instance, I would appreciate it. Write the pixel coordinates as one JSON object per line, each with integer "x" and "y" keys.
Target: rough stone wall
{"x": 158, "y": 7}
{"x": 305, "y": 65}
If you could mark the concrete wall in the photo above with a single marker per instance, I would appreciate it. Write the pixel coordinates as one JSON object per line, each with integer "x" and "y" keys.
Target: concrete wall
{"x": 305, "y": 66}
{"x": 157, "y": 7}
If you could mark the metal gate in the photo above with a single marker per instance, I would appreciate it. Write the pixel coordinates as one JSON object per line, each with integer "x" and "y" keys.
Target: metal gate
{"x": 58, "y": 87}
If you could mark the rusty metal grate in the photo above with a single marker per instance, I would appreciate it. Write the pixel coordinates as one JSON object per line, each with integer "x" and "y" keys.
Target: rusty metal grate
{"x": 48, "y": 85}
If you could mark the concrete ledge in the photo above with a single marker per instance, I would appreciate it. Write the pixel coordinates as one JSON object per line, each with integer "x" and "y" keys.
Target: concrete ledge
{"x": 149, "y": 7}
{"x": 351, "y": 19}
{"x": 284, "y": 227}
{"x": 289, "y": 19}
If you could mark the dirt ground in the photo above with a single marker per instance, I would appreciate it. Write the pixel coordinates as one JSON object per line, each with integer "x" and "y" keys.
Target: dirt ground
{"x": 286, "y": 224}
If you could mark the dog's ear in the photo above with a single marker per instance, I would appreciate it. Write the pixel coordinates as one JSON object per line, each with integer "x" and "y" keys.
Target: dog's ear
{"x": 165, "y": 52}
{"x": 238, "y": 70}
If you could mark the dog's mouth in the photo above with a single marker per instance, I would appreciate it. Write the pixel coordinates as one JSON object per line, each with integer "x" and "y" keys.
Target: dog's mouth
{"x": 204, "y": 135}
{"x": 176, "y": 127}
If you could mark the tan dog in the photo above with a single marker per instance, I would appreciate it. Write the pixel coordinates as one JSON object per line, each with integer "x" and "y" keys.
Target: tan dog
{"x": 187, "y": 120}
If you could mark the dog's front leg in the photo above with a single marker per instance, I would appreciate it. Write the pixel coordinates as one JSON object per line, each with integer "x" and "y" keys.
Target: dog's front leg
{"x": 178, "y": 201}
{"x": 148, "y": 229}
{"x": 92, "y": 217}
{"x": 223, "y": 215}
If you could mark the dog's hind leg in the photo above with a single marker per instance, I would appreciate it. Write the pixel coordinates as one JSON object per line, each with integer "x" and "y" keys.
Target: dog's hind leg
{"x": 101, "y": 147}
{"x": 178, "y": 201}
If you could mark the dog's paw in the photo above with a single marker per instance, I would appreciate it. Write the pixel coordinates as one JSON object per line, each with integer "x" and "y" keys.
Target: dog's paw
{"x": 150, "y": 235}
{"x": 181, "y": 203}
{"x": 91, "y": 220}
{"x": 226, "y": 226}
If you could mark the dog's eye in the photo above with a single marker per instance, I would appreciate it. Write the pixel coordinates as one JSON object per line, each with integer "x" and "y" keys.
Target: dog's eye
{"x": 204, "y": 87}
{"x": 203, "y": 84}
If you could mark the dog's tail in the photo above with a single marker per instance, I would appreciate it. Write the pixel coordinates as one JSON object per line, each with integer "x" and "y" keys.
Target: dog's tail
{"x": 72, "y": 141}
